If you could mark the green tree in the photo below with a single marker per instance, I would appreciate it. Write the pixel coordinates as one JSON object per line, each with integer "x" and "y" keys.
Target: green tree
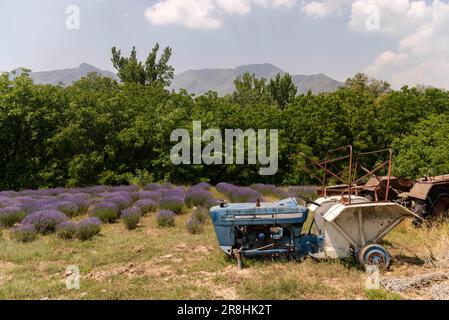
{"x": 131, "y": 70}
{"x": 282, "y": 89}
{"x": 425, "y": 150}
{"x": 250, "y": 90}
{"x": 362, "y": 82}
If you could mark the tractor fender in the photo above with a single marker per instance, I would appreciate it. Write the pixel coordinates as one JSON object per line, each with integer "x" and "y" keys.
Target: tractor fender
{"x": 420, "y": 191}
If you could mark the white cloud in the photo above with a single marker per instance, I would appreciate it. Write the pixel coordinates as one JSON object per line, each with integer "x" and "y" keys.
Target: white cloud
{"x": 235, "y": 6}
{"x": 422, "y": 55}
{"x": 190, "y": 14}
{"x": 275, "y": 3}
{"x": 396, "y": 17}
{"x": 323, "y": 8}
{"x": 421, "y": 27}
{"x": 205, "y": 14}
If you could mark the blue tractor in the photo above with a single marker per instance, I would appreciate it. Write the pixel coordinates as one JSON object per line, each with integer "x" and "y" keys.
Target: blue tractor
{"x": 342, "y": 227}
{"x": 264, "y": 229}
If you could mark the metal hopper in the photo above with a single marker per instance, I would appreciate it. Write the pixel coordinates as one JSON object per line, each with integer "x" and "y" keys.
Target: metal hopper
{"x": 356, "y": 228}
{"x": 352, "y": 224}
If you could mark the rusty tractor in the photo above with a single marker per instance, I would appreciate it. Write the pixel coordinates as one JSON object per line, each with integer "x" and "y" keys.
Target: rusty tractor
{"x": 427, "y": 197}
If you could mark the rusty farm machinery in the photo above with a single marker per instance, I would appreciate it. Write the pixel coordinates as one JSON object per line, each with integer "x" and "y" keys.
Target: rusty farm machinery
{"x": 346, "y": 222}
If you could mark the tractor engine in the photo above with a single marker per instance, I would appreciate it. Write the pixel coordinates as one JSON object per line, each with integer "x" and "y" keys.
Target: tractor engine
{"x": 255, "y": 229}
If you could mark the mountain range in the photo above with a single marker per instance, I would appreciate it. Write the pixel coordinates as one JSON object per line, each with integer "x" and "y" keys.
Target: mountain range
{"x": 222, "y": 80}
{"x": 196, "y": 81}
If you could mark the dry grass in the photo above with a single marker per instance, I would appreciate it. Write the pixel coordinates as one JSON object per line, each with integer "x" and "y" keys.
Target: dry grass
{"x": 155, "y": 263}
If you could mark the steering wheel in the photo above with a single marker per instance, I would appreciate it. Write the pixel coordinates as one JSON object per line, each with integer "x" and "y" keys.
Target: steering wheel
{"x": 307, "y": 200}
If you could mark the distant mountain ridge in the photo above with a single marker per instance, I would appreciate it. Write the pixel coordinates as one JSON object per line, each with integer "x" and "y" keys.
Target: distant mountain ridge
{"x": 195, "y": 81}
{"x": 222, "y": 80}
{"x": 65, "y": 76}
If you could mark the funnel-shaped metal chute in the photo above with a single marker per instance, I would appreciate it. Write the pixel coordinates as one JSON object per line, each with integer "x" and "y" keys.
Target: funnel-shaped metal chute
{"x": 349, "y": 227}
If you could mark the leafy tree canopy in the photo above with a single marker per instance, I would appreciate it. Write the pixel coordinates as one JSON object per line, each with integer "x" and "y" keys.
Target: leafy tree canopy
{"x": 151, "y": 71}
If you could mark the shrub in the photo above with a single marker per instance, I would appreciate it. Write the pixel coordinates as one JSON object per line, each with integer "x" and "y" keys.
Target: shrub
{"x": 6, "y": 202}
{"x": 131, "y": 217}
{"x": 203, "y": 185}
{"x": 194, "y": 226}
{"x": 45, "y": 221}
{"x": 9, "y": 216}
{"x": 197, "y": 197}
{"x": 24, "y": 233}
{"x": 238, "y": 194}
{"x": 105, "y": 211}
{"x": 88, "y": 228}
{"x": 72, "y": 209}
{"x": 146, "y": 205}
{"x": 200, "y": 214}
{"x": 269, "y": 190}
{"x": 165, "y": 218}
{"x": 66, "y": 230}
{"x": 173, "y": 203}
{"x": 122, "y": 199}
{"x": 178, "y": 192}
{"x": 151, "y": 187}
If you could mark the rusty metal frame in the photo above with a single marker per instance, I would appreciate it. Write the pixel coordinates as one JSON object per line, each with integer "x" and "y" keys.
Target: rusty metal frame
{"x": 352, "y": 182}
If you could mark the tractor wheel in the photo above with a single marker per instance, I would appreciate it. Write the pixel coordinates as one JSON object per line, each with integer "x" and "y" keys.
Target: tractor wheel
{"x": 440, "y": 206}
{"x": 423, "y": 210}
{"x": 374, "y": 255}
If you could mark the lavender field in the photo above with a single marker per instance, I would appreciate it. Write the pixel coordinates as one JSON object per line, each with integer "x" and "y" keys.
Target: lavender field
{"x": 156, "y": 242}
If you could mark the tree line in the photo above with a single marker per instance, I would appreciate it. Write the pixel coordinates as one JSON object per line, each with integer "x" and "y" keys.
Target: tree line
{"x": 101, "y": 131}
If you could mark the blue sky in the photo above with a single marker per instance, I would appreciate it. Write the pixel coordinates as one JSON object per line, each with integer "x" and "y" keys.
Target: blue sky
{"x": 392, "y": 40}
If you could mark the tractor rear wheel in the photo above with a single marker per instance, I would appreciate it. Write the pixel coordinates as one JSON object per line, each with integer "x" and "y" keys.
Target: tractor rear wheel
{"x": 423, "y": 210}
{"x": 441, "y": 205}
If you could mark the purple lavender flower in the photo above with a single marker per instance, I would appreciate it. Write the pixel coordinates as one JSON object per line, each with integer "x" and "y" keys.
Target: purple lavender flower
{"x": 202, "y": 185}
{"x": 131, "y": 217}
{"x": 9, "y": 193}
{"x": 178, "y": 192}
{"x": 9, "y": 216}
{"x": 66, "y": 230}
{"x": 173, "y": 203}
{"x": 105, "y": 211}
{"x": 72, "y": 209}
{"x": 122, "y": 199}
{"x": 95, "y": 189}
{"x": 165, "y": 218}
{"x": 197, "y": 196}
{"x": 45, "y": 221}
{"x": 146, "y": 205}
{"x": 151, "y": 187}
{"x": 224, "y": 187}
{"x": 88, "y": 228}
{"x": 130, "y": 211}
{"x": 238, "y": 194}
{"x": 154, "y": 195}
{"x": 269, "y": 190}
{"x": 7, "y": 202}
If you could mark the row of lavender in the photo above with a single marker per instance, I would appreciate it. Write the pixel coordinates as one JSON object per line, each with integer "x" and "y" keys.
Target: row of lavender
{"x": 49, "y": 210}
{"x": 45, "y": 211}
{"x": 260, "y": 190}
